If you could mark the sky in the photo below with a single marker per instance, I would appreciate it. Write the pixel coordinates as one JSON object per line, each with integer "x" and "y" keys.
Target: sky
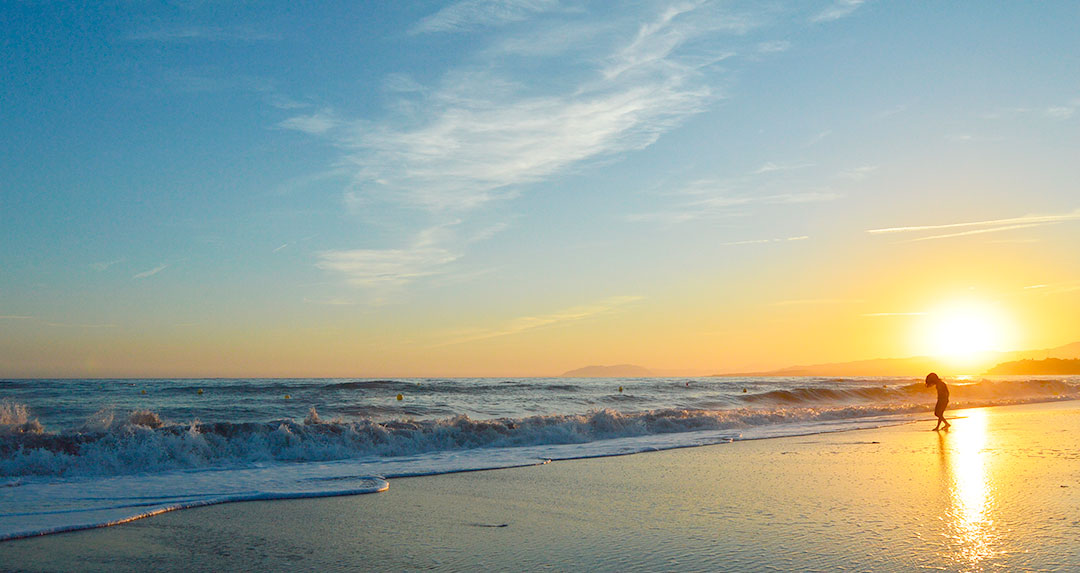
{"x": 524, "y": 187}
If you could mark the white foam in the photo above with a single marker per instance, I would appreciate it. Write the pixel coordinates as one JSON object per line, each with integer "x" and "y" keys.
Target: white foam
{"x": 115, "y": 468}
{"x": 40, "y": 505}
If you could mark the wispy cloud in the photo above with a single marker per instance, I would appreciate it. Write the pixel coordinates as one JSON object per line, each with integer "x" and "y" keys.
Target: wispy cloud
{"x": 332, "y": 301}
{"x": 481, "y": 134}
{"x": 76, "y": 325}
{"x": 773, "y": 47}
{"x": 770, "y": 167}
{"x": 151, "y": 272}
{"x": 472, "y": 14}
{"x": 819, "y": 137}
{"x": 1054, "y": 288}
{"x": 857, "y": 173}
{"x": 36, "y": 320}
{"x": 430, "y": 254}
{"x": 526, "y": 323}
{"x": 1060, "y": 112}
{"x": 816, "y": 301}
{"x": 711, "y": 199}
{"x": 386, "y": 267}
{"x": 975, "y": 232}
{"x": 875, "y": 314}
{"x": 1015, "y": 241}
{"x": 895, "y": 110}
{"x": 202, "y": 34}
{"x": 312, "y": 124}
{"x": 761, "y": 241}
{"x": 969, "y": 137}
{"x": 837, "y": 10}
{"x": 402, "y": 83}
{"x": 103, "y": 265}
{"x": 281, "y": 101}
{"x": 980, "y": 227}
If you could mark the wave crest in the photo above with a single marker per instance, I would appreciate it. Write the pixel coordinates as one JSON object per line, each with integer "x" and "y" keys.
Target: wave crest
{"x": 142, "y": 441}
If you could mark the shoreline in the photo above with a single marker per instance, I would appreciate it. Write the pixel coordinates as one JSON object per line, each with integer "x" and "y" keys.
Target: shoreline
{"x": 1000, "y": 482}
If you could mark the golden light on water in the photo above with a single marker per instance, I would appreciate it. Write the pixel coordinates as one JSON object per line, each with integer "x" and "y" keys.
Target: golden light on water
{"x": 971, "y": 509}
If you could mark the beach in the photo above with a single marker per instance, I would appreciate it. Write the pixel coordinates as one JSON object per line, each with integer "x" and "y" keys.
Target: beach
{"x": 999, "y": 491}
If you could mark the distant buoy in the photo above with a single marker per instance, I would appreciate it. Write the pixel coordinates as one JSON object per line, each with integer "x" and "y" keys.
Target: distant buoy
{"x": 144, "y": 391}
{"x": 620, "y": 388}
{"x": 199, "y": 392}
{"x": 400, "y": 397}
{"x": 287, "y": 397}
{"x": 744, "y": 390}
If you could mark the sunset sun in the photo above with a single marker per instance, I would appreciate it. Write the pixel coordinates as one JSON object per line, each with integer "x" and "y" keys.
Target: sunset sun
{"x": 964, "y": 330}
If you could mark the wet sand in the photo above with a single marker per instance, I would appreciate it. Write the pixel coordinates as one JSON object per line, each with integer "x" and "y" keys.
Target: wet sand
{"x": 999, "y": 491}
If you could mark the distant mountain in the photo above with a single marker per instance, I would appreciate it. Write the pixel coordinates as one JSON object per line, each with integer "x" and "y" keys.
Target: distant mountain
{"x": 1067, "y": 352}
{"x": 617, "y": 371}
{"x": 1050, "y": 366}
{"x": 917, "y": 365}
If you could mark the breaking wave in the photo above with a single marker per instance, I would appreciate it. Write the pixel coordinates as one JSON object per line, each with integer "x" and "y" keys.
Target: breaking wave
{"x": 142, "y": 441}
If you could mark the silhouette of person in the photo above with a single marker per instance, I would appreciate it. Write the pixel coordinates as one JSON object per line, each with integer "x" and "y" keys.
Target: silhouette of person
{"x": 933, "y": 379}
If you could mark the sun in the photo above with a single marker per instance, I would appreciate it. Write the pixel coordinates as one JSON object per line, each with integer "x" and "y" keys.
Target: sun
{"x": 965, "y": 330}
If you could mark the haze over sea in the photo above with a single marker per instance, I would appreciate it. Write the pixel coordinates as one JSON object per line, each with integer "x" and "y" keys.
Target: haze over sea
{"x": 86, "y": 453}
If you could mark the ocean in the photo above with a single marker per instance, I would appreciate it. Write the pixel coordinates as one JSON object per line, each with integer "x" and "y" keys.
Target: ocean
{"x": 76, "y": 454}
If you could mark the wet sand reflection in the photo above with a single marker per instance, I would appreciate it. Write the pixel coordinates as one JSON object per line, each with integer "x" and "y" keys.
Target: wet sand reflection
{"x": 970, "y": 516}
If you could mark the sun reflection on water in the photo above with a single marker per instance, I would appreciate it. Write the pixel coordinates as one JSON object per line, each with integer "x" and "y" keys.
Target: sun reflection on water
{"x": 970, "y": 514}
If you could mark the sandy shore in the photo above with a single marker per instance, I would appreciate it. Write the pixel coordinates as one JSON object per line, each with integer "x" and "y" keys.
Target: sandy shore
{"x": 1000, "y": 491}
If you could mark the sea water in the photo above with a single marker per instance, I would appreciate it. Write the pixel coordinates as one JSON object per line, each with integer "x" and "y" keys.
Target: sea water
{"x": 76, "y": 454}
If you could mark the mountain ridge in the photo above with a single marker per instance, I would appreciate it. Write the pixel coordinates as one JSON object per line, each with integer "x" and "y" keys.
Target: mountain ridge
{"x": 916, "y": 365}
{"x": 615, "y": 371}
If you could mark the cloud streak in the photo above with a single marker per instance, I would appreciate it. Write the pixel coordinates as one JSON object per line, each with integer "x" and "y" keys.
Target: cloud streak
{"x": 716, "y": 199}
{"x": 839, "y": 9}
{"x": 1054, "y": 289}
{"x": 473, "y": 14}
{"x": 69, "y": 325}
{"x": 386, "y": 267}
{"x": 980, "y": 227}
{"x": 151, "y": 272}
{"x": 771, "y": 167}
{"x": 815, "y": 301}
{"x": 202, "y": 34}
{"x": 103, "y": 265}
{"x": 313, "y": 124}
{"x": 533, "y": 322}
{"x": 876, "y": 314}
{"x": 763, "y": 241}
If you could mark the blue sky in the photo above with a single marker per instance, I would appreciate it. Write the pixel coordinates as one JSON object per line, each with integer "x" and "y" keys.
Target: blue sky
{"x": 521, "y": 187}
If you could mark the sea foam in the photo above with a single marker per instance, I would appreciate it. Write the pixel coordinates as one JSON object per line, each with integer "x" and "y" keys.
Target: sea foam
{"x": 119, "y": 465}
